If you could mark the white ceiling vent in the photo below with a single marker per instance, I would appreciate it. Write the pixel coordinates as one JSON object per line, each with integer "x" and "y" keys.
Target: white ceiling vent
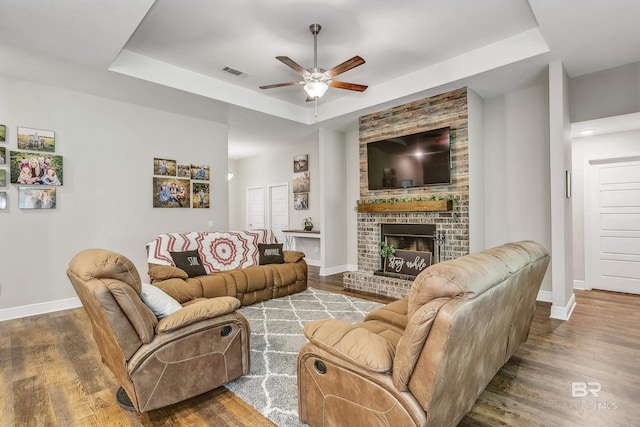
{"x": 235, "y": 72}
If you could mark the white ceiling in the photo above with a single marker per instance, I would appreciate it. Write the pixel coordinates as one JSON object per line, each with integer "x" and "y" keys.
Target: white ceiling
{"x": 169, "y": 54}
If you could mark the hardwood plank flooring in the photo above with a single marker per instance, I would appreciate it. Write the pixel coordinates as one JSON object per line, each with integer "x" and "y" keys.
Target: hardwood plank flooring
{"x": 51, "y": 373}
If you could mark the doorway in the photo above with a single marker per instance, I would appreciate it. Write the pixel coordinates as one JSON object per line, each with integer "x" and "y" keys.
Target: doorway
{"x": 255, "y": 208}
{"x": 612, "y": 241}
{"x": 279, "y": 209}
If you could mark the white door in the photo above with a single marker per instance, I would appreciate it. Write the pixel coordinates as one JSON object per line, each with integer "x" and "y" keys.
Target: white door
{"x": 255, "y": 208}
{"x": 279, "y": 210}
{"x": 615, "y": 226}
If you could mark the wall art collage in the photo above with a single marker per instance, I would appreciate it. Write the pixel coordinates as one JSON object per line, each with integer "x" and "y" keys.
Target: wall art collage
{"x": 36, "y": 169}
{"x": 179, "y": 185}
{"x": 301, "y": 182}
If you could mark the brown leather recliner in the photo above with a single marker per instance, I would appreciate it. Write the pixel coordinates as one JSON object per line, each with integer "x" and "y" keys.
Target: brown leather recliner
{"x": 157, "y": 362}
{"x": 423, "y": 360}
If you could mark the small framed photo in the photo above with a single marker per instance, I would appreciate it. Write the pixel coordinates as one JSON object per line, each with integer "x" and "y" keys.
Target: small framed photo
{"x": 36, "y": 139}
{"x": 35, "y": 168}
{"x": 184, "y": 171}
{"x": 301, "y": 163}
{"x": 171, "y": 193}
{"x": 36, "y": 198}
{"x": 3, "y": 200}
{"x": 3, "y": 177}
{"x": 301, "y": 201}
{"x": 301, "y": 182}
{"x": 3, "y": 156}
{"x": 200, "y": 172}
{"x": 164, "y": 167}
{"x": 3, "y": 133}
{"x": 201, "y": 195}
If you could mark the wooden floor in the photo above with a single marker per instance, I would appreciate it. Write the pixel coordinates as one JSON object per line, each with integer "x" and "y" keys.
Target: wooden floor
{"x": 51, "y": 374}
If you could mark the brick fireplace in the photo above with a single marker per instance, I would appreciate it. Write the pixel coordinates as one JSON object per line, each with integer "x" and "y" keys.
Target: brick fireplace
{"x": 448, "y": 109}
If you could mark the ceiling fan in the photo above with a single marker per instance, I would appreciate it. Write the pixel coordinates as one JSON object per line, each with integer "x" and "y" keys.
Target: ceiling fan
{"x": 316, "y": 80}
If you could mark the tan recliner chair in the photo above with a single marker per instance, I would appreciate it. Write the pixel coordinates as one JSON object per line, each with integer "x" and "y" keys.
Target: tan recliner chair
{"x": 196, "y": 349}
{"x": 423, "y": 360}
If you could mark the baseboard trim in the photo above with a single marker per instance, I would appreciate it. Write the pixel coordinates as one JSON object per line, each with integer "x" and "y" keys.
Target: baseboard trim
{"x": 580, "y": 284}
{"x": 314, "y": 262}
{"x": 40, "y": 308}
{"x": 564, "y": 313}
{"x": 545, "y": 296}
{"x": 328, "y": 271}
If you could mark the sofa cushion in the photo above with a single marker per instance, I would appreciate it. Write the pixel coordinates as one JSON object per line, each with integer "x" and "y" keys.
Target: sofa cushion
{"x": 140, "y": 317}
{"x": 189, "y": 262}
{"x": 293, "y": 256}
{"x": 270, "y": 253}
{"x": 161, "y": 304}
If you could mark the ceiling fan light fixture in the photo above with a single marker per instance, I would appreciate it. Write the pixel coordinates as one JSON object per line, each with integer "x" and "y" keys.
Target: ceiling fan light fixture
{"x": 316, "y": 89}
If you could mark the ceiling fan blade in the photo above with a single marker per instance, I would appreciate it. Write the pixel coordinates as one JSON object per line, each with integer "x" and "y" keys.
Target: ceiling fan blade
{"x": 293, "y": 64}
{"x": 348, "y": 86}
{"x": 281, "y": 85}
{"x": 345, "y": 66}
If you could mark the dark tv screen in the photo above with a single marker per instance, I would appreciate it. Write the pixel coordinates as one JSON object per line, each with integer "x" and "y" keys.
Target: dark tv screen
{"x": 407, "y": 161}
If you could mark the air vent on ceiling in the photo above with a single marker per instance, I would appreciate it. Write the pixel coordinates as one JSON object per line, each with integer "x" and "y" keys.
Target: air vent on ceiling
{"x": 235, "y": 72}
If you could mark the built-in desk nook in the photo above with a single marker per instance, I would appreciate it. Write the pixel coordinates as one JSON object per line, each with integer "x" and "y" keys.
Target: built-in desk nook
{"x": 294, "y": 241}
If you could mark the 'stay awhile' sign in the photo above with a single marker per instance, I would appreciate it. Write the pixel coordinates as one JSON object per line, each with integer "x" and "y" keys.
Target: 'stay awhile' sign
{"x": 410, "y": 263}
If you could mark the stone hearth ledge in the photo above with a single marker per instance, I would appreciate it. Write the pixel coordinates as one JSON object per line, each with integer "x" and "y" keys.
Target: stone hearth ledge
{"x": 381, "y": 285}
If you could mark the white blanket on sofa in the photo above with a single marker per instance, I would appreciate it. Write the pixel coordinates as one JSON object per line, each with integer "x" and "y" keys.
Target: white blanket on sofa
{"x": 218, "y": 250}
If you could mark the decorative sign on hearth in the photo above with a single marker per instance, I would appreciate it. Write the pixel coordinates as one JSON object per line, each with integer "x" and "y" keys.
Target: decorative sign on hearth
{"x": 410, "y": 263}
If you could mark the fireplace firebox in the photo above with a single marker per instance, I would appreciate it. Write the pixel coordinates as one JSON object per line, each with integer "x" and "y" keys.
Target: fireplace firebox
{"x": 417, "y": 246}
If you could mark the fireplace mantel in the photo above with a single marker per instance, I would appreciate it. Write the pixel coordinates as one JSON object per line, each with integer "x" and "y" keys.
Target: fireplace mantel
{"x": 414, "y": 206}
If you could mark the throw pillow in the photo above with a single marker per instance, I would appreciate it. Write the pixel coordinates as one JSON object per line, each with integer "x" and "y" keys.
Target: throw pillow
{"x": 270, "y": 253}
{"x": 189, "y": 262}
{"x": 158, "y": 301}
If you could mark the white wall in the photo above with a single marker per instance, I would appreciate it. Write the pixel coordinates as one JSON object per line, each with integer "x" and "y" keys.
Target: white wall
{"x": 106, "y": 200}
{"x": 585, "y": 149}
{"x": 607, "y": 93}
{"x": 333, "y": 193}
{"x": 276, "y": 167}
{"x": 477, "y": 196}
{"x": 517, "y": 202}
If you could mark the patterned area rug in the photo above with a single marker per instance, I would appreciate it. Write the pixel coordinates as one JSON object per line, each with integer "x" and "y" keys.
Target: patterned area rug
{"x": 276, "y": 339}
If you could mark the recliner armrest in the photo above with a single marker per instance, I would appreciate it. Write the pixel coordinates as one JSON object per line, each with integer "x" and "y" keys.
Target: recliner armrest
{"x": 196, "y": 312}
{"x": 353, "y": 343}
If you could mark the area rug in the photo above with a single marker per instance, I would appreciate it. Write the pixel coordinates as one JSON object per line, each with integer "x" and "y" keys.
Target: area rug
{"x": 276, "y": 339}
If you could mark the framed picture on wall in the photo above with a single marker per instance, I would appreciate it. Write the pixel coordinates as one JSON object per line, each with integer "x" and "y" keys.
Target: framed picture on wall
{"x": 3, "y": 155}
{"x": 301, "y": 163}
{"x": 3, "y": 200}
{"x": 200, "y": 172}
{"x": 164, "y": 167}
{"x": 36, "y": 139}
{"x": 35, "y": 168}
{"x": 301, "y": 182}
{"x": 171, "y": 192}
{"x": 184, "y": 171}
{"x": 301, "y": 201}
{"x": 36, "y": 198}
{"x": 3, "y": 133}
{"x": 201, "y": 195}
{"x": 3, "y": 177}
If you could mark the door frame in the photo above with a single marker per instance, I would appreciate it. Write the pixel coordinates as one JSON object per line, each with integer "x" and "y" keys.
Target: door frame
{"x": 589, "y": 207}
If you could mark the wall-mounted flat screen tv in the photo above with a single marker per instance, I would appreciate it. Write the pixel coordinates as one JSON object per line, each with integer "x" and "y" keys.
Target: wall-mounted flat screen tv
{"x": 407, "y": 161}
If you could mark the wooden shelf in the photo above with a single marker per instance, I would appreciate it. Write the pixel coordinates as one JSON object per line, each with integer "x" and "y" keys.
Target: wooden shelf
{"x": 415, "y": 206}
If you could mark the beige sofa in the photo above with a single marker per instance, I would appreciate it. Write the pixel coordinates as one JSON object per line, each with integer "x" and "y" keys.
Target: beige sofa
{"x": 232, "y": 267}
{"x": 425, "y": 359}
